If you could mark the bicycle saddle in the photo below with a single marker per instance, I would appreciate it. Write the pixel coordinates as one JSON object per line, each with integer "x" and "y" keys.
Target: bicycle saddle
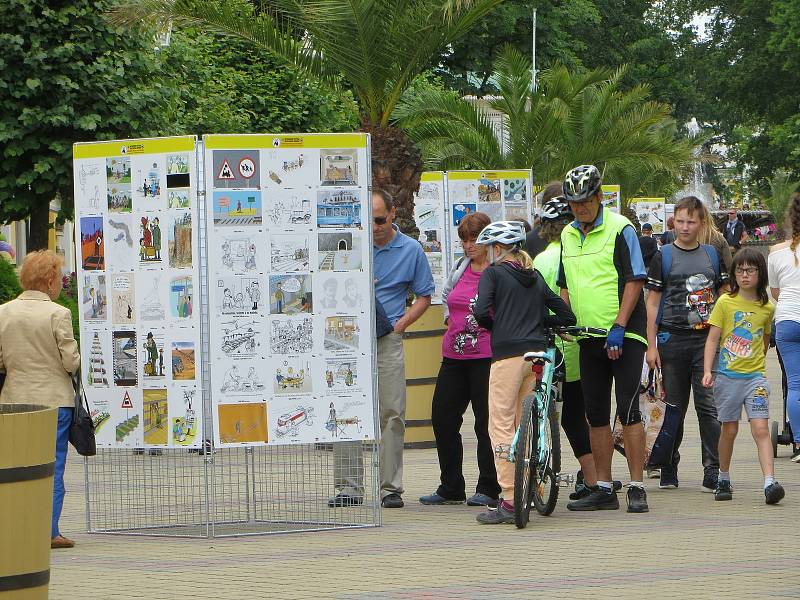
{"x": 536, "y": 357}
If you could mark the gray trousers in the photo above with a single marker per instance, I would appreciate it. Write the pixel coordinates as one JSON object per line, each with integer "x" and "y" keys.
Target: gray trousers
{"x": 348, "y": 458}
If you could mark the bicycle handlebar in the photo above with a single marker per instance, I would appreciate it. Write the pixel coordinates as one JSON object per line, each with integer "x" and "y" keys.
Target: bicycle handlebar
{"x": 574, "y": 330}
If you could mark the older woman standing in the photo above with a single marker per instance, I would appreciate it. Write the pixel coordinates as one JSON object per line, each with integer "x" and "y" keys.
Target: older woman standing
{"x": 464, "y": 377}
{"x": 38, "y": 354}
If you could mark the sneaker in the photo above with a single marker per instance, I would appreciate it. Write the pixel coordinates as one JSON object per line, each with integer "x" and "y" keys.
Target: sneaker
{"x": 637, "y": 499}
{"x": 774, "y": 493}
{"x": 392, "y": 501}
{"x": 596, "y": 500}
{"x": 581, "y": 491}
{"x": 669, "y": 478}
{"x": 796, "y": 455}
{"x": 495, "y": 516}
{"x": 479, "y": 499}
{"x": 342, "y": 500}
{"x": 709, "y": 484}
{"x": 435, "y": 499}
{"x": 723, "y": 491}
{"x": 653, "y": 473}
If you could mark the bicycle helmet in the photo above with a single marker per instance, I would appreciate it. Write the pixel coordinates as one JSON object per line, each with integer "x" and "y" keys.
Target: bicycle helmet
{"x": 581, "y": 183}
{"x": 509, "y": 233}
{"x": 556, "y": 209}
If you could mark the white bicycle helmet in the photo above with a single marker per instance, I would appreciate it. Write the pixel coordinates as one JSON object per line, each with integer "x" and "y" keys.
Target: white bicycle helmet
{"x": 581, "y": 183}
{"x": 556, "y": 209}
{"x": 509, "y": 233}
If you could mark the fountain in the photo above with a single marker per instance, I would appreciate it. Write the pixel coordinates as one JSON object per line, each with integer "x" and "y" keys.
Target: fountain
{"x": 696, "y": 186}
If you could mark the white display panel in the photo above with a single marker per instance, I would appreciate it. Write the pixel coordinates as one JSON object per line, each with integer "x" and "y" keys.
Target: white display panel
{"x": 290, "y": 301}
{"x": 431, "y": 218}
{"x": 138, "y": 279}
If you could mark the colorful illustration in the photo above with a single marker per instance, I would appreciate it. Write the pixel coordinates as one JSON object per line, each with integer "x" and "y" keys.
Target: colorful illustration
{"x": 515, "y": 190}
{"x": 178, "y": 198}
{"x": 118, "y": 170}
{"x": 340, "y": 424}
{"x": 92, "y": 244}
{"x": 156, "y": 419}
{"x": 290, "y": 294}
{"x": 489, "y": 190}
{"x": 154, "y": 365}
{"x": 237, "y": 208}
{"x": 180, "y": 297}
{"x": 339, "y": 251}
{"x": 339, "y": 167}
{"x": 236, "y": 169}
{"x": 338, "y": 208}
{"x": 461, "y": 210}
{"x": 243, "y": 423}
{"x": 148, "y": 180}
{"x": 94, "y": 297}
{"x": 125, "y": 358}
{"x": 293, "y": 376}
{"x": 180, "y": 240}
{"x": 120, "y": 199}
{"x": 341, "y": 374}
{"x": 186, "y": 424}
{"x": 183, "y": 361}
{"x": 97, "y": 365}
{"x": 740, "y": 342}
{"x": 149, "y": 239}
{"x": 341, "y": 333}
{"x": 127, "y": 418}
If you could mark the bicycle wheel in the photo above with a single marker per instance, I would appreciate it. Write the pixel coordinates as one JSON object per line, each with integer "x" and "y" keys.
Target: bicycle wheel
{"x": 545, "y": 475}
{"x": 525, "y": 464}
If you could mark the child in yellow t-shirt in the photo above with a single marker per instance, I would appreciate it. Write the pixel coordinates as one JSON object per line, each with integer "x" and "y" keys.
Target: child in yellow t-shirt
{"x": 741, "y": 324}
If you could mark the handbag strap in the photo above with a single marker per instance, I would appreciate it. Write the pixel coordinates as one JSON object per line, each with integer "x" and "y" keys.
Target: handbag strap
{"x": 80, "y": 393}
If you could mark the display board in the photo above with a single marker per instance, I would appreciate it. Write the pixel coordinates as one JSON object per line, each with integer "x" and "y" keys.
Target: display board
{"x": 503, "y": 195}
{"x": 612, "y": 197}
{"x": 290, "y": 255}
{"x": 653, "y": 211}
{"x": 136, "y": 220}
{"x": 429, "y": 215}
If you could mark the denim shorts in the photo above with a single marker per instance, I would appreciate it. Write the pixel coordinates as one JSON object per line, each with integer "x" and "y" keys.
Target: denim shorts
{"x": 731, "y": 393}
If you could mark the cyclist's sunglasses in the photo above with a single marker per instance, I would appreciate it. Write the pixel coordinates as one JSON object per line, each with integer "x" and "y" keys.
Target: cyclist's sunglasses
{"x": 380, "y": 220}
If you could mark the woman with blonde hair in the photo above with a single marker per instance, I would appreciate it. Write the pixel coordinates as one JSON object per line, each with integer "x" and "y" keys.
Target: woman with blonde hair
{"x": 39, "y": 354}
{"x": 709, "y": 234}
{"x": 783, "y": 268}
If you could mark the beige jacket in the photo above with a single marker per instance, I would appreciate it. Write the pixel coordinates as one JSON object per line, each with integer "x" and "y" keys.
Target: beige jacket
{"x": 37, "y": 351}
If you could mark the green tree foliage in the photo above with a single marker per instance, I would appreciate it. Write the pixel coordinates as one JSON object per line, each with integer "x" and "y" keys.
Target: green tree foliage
{"x": 781, "y": 188}
{"x": 9, "y": 282}
{"x": 66, "y": 75}
{"x": 573, "y": 118}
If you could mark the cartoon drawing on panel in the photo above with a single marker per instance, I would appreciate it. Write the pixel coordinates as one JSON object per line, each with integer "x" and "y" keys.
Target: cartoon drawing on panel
{"x": 429, "y": 191}
{"x": 238, "y": 295}
{"x": 241, "y": 337}
{"x": 287, "y": 168}
{"x": 339, "y": 251}
{"x": 489, "y": 190}
{"x": 123, "y": 298}
{"x": 180, "y": 297}
{"x": 122, "y": 236}
{"x": 183, "y": 357}
{"x": 341, "y": 333}
{"x": 94, "y": 297}
{"x": 236, "y": 169}
{"x": 153, "y": 366}
{"x": 289, "y": 211}
{"x": 97, "y": 371}
{"x": 329, "y": 289}
{"x": 339, "y": 167}
{"x": 289, "y": 253}
{"x": 129, "y": 423}
{"x": 180, "y": 241}
{"x": 178, "y": 164}
{"x": 461, "y": 191}
{"x": 516, "y": 212}
{"x": 184, "y": 426}
{"x": 99, "y": 411}
{"x": 289, "y": 422}
{"x": 338, "y": 291}
{"x": 339, "y": 424}
{"x": 119, "y": 199}
{"x": 462, "y": 210}
{"x": 148, "y": 181}
{"x": 341, "y": 374}
{"x": 241, "y": 378}
{"x": 92, "y": 248}
{"x": 427, "y": 217}
{"x": 177, "y": 198}
{"x": 89, "y": 181}
{"x": 125, "y": 358}
{"x": 429, "y": 238}
{"x": 293, "y": 376}
{"x": 515, "y": 190}
{"x": 118, "y": 170}
{"x": 156, "y": 418}
{"x": 240, "y": 253}
{"x": 237, "y": 207}
{"x": 290, "y": 294}
{"x": 291, "y": 336}
{"x": 149, "y": 239}
{"x": 152, "y": 306}
{"x": 494, "y": 210}
{"x": 242, "y": 423}
{"x": 338, "y": 208}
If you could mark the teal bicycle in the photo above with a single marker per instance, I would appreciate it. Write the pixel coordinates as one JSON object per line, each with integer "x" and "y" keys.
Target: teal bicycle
{"x": 536, "y": 447}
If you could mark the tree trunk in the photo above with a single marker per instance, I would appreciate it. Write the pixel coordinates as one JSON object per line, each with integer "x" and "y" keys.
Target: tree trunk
{"x": 39, "y": 226}
{"x": 396, "y": 168}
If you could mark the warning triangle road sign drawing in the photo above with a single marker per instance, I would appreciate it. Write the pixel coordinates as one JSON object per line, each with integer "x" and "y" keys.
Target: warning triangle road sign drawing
{"x": 225, "y": 171}
{"x": 126, "y": 401}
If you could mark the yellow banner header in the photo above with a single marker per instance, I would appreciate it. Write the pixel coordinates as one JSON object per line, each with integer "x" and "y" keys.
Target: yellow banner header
{"x": 286, "y": 140}
{"x": 475, "y": 175}
{"x": 432, "y": 176}
{"x": 184, "y": 143}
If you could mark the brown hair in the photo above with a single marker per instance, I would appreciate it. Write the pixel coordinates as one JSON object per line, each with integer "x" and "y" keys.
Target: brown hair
{"x": 793, "y": 218}
{"x": 38, "y": 270}
{"x": 388, "y": 200}
{"x": 550, "y": 231}
{"x": 692, "y": 204}
{"x": 472, "y": 224}
{"x": 553, "y": 189}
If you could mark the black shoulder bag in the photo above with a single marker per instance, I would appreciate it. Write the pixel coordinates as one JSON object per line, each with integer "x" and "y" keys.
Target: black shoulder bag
{"x": 81, "y": 432}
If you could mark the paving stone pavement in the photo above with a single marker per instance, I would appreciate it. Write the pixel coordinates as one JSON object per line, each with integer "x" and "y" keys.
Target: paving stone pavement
{"x": 688, "y": 546}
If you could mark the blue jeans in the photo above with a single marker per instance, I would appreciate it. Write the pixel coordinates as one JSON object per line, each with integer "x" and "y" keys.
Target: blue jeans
{"x": 62, "y": 444}
{"x": 787, "y": 337}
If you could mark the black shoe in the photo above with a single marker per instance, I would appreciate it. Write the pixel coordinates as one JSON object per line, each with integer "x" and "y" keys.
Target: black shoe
{"x": 597, "y": 500}
{"x": 774, "y": 493}
{"x": 637, "y": 499}
{"x": 710, "y": 482}
{"x": 669, "y": 478}
{"x": 342, "y": 500}
{"x": 581, "y": 491}
{"x": 478, "y": 499}
{"x": 392, "y": 501}
{"x": 724, "y": 491}
{"x": 436, "y": 499}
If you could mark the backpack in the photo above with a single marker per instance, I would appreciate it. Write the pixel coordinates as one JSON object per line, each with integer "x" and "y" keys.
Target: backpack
{"x": 666, "y": 265}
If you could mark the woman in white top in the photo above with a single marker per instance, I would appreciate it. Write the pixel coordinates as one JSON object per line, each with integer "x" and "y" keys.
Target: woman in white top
{"x": 784, "y": 283}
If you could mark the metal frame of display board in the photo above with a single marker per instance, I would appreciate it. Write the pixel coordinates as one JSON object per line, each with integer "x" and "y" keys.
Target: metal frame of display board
{"x": 207, "y": 491}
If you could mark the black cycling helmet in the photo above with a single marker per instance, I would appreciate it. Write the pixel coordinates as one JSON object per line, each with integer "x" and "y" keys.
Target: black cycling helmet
{"x": 556, "y": 209}
{"x": 581, "y": 183}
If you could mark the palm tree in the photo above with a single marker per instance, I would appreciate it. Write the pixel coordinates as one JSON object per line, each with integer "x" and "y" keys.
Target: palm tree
{"x": 781, "y": 188}
{"x": 374, "y": 47}
{"x": 570, "y": 119}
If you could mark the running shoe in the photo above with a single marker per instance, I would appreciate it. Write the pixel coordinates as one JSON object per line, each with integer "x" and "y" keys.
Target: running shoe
{"x": 724, "y": 490}
{"x": 637, "y": 500}
{"x": 495, "y": 516}
{"x": 435, "y": 499}
{"x": 709, "y": 484}
{"x": 774, "y": 493}
{"x": 669, "y": 478}
{"x": 598, "y": 499}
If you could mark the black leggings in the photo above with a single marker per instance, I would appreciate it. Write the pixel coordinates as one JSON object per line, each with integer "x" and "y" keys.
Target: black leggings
{"x": 597, "y": 372}
{"x": 573, "y": 418}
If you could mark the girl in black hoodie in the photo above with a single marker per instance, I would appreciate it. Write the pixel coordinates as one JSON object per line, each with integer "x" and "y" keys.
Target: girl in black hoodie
{"x": 513, "y": 302}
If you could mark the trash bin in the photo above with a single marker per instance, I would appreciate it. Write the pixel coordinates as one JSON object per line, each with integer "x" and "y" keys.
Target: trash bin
{"x": 27, "y": 462}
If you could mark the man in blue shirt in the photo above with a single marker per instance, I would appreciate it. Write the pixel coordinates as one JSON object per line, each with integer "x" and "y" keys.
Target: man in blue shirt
{"x": 399, "y": 265}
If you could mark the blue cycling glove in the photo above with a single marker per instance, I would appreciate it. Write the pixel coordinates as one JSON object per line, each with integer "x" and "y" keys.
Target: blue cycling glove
{"x": 616, "y": 337}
